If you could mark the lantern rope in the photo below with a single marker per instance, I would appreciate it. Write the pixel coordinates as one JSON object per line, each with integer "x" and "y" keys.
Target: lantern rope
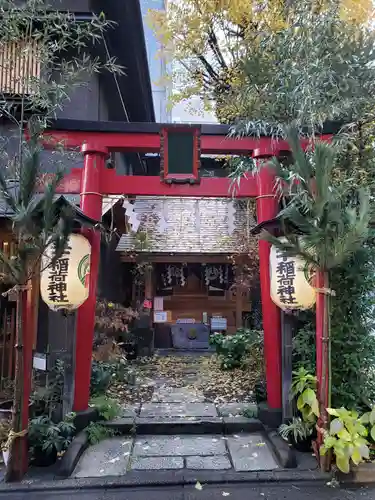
{"x": 16, "y": 289}
{"x": 13, "y": 436}
{"x": 264, "y": 196}
{"x": 327, "y": 291}
{"x": 92, "y": 192}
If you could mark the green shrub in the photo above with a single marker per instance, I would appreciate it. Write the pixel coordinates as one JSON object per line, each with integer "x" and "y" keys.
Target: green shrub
{"x": 45, "y": 435}
{"x": 98, "y": 432}
{"x": 352, "y": 326}
{"x": 108, "y": 409}
{"x": 101, "y": 375}
{"x": 232, "y": 349}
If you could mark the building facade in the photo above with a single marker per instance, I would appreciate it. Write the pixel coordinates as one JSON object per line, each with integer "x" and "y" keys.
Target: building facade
{"x": 157, "y": 64}
{"x": 103, "y": 98}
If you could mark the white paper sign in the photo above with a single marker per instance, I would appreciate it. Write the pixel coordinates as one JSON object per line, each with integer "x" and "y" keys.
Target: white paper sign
{"x": 160, "y": 317}
{"x": 158, "y": 303}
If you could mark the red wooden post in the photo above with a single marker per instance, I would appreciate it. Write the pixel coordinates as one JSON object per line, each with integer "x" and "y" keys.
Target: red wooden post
{"x": 267, "y": 208}
{"x": 91, "y": 204}
{"x": 21, "y": 449}
{"x": 320, "y": 313}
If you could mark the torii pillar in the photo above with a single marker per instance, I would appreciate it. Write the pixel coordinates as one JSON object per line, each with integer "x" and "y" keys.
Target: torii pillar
{"x": 91, "y": 204}
{"x": 268, "y": 208}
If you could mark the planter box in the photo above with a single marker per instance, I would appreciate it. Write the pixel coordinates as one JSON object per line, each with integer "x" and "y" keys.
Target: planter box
{"x": 359, "y": 474}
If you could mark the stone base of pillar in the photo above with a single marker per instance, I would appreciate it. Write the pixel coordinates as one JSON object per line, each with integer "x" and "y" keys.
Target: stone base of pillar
{"x": 270, "y": 417}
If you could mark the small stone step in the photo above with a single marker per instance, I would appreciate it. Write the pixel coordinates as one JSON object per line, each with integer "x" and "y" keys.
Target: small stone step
{"x": 178, "y": 410}
{"x": 177, "y": 446}
{"x": 185, "y": 425}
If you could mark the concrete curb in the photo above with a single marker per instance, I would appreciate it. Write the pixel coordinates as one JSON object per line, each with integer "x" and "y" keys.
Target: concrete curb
{"x": 284, "y": 453}
{"x": 72, "y": 455}
{"x": 170, "y": 478}
{"x": 169, "y": 426}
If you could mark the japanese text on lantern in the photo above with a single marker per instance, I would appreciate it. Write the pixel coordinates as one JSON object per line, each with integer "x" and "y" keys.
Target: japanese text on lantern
{"x": 286, "y": 274}
{"x": 58, "y": 274}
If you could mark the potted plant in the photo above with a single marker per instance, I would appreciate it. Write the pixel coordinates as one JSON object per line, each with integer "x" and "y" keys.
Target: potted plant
{"x": 298, "y": 433}
{"x": 5, "y": 428}
{"x": 130, "y": 346}
{"x": 47, "y": 439}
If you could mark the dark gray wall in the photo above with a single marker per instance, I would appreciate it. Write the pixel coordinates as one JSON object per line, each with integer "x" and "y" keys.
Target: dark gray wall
{"x": 70, "y": 5}
{"x": 87, "y": 102}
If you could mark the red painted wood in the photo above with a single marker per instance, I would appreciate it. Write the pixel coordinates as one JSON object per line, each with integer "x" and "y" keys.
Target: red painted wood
{"x": 320, "y": 318}
{"x": 91, "y": 205}
{"x": 148, "y": 142}
{"x": 137, "y": 185}
{"x": 267, "y": 208}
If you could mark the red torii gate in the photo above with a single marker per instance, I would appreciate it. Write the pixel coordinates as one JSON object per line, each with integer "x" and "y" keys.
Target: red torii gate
{"x": 95, "y": 180}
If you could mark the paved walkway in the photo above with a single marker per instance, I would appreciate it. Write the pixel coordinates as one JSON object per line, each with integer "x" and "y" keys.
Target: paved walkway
{"x": 208, "y": 492}
{"x": 242, "y": 452}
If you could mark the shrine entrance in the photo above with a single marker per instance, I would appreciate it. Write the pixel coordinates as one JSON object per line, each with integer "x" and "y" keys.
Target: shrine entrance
{"x": 180, "y": 148}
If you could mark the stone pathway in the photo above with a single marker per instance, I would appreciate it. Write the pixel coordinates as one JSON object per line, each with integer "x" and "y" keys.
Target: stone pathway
{"x": 239, "y": 452}
{"x": 116, "y": 456}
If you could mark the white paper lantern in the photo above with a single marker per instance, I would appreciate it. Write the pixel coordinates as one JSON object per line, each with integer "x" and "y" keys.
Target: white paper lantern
{"x": 65, "y": 284}
{"x": 290, "y": 288}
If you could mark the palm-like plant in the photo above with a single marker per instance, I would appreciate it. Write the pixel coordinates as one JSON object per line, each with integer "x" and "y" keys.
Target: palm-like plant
{"x": 331, "y": 223}
{"x": 37, "y": 223}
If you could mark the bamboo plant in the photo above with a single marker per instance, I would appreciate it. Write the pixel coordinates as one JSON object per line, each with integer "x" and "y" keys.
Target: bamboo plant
{"x": 331, "y": 223}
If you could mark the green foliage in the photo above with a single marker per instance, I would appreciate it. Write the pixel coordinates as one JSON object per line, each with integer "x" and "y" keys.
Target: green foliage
{"x": 303, "y": 388}
{"x": 250, "y": 412}
{"x": 47, "y": 397}
{"x": 352, "y": 324}
{"x": 316, "y": 68}
{"x": 101, "y": 374}
{"x": 232, "y": 349}
{"x": 329, "y": 225}
{"x": 297, "y": 429}
{"x": 45, "y": 435}
{"x": 108, "y": 408}
{"x": 368, "y": 418}
{"x": 347, "y": 438}
{"x": 98, "y": 432}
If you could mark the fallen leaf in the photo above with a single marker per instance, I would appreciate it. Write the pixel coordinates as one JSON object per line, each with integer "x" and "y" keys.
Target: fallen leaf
{"x": 113, "y": 460}
{"x": 198, "y": 486}
{"x": 225, "y": 494}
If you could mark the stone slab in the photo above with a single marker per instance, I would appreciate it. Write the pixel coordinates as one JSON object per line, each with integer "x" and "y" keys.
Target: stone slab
{"x": 250, "y": 452}
{"x": 233, "y": 409}
{"x": 177, "y": 395}
{"x": 234, "y": 425}
{"x": 218, "y": 462}
{"x": 178, "y": 410}
{"x": 130, "y": 411}
{"x": 110, "y": 457}
{"x": 180, "y": 425}
{"x": 157, "y": 463}
{"x": 179, "y": 446}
